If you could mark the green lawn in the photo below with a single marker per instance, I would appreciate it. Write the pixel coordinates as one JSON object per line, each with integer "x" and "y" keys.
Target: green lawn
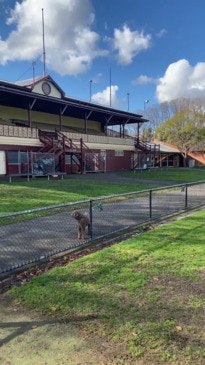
{"x": 172, "y": 174}
{"x": 24, "y": 195}
{"x": 146, "y": 294}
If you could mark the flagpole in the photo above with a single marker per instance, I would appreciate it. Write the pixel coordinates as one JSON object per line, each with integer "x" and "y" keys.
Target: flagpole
{"x": 110, "y": 89}
{"x": 44, "y": 50}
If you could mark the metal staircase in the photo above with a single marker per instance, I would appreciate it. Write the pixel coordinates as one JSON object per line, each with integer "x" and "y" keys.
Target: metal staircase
{"x": 80, "y": 154}
{"x": 149, "y": 151}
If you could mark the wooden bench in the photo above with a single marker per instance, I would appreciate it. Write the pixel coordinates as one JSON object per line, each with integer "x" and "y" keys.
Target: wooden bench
{"x": 61, "y": 174}
{"x": 16, "y": 175}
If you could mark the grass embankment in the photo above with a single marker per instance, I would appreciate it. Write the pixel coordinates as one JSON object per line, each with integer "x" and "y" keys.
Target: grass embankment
{"x": 146, "y": 294}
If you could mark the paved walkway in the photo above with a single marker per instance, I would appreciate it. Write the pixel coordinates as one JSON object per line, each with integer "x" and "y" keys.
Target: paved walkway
{"x": 116, "y": 177}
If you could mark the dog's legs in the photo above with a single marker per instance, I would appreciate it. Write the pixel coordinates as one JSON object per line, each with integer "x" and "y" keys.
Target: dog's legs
{"x": 83, "y": 232}
{"x": 79, "y": 231}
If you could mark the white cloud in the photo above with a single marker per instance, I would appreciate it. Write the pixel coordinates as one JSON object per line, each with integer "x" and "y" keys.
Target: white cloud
{"x": 97, "y": 78}
{"x": 181, "y": 80}
{"x": 129, "y": 43}
{"x": 104, "y": 97}
{"x": 70, "y": 43}
{"x": 143, "y": 80}
{"x": 161, "y": 33}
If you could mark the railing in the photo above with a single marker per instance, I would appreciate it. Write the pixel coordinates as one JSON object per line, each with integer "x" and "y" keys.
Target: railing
{"x": 147, "y": 147}
{"x": 91, "y": 138}
{"x": 26, "y": 132}
{"x": 21, "y": 132}
{"x": 69, "y": 143}
{"x": 91, "y": 161}
{"x": 34, "y": 235}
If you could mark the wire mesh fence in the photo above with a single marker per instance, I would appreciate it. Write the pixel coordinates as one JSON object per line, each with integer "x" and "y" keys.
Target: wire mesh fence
{"x": 34, "y": 235}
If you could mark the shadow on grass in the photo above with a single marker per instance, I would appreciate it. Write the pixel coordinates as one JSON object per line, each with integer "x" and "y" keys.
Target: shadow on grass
{"x": 125, "y": 292}
{"x": 20, "y": 328}
{"x": 141, "y": 324}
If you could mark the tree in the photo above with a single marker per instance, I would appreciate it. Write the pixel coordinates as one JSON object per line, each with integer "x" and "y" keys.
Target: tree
{"x": 159, "y": 113}
{"x": 186, "y": 131}
{"x": 147, "y": 135}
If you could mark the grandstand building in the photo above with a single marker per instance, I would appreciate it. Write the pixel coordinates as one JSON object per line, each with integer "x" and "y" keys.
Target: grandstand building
{"x": 44, "y": 132}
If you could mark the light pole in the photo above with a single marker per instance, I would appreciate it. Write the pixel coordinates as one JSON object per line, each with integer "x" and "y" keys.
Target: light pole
{"x": 33, "y": 66}
{"x": 91, "y": 89}
{"x": 146, "y": 101}
{"x": 128, "y": 101}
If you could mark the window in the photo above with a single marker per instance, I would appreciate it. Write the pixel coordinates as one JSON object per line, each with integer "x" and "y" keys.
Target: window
{"x": 170, "y": 160}
{"x": 103, "y": 153}
{"x": 119, "y": 153}
{"x": 13, "y": 157}
{"x": 24, "y": 157}
{"x": 74, "y": 159}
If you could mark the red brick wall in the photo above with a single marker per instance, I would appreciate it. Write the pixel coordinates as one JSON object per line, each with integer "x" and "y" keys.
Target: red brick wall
{"x": 117, "y": 163}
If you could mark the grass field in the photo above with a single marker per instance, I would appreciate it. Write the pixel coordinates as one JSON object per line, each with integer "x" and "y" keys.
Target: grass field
{"x": 24, "y": 195}
{"x": 145, "y": 295}
{"x": 139, "y": 302}
{"x": 37, "y": 193}
{"x": 164, "y": 174}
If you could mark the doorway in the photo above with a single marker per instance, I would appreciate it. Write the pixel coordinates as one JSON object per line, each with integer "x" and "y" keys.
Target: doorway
{"x": 2, "y": 163}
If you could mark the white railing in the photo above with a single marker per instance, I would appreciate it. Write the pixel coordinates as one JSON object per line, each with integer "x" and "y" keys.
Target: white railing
{"x": 26, "y": 132}
{"x": 91, "y": 138}
{"x": 22, "y": 132}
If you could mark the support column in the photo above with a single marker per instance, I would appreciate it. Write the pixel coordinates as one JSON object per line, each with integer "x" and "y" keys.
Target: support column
{"x": 30, "y": 107}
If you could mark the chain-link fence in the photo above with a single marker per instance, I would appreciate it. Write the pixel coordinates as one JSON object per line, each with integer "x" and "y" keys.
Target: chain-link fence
{"x": 31, "y": 236}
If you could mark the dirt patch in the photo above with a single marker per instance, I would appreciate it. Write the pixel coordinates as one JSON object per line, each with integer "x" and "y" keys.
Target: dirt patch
{"x": 27, "y": 339}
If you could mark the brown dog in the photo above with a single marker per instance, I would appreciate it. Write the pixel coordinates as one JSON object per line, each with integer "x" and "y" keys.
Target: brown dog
{"x": 83, "y": 222}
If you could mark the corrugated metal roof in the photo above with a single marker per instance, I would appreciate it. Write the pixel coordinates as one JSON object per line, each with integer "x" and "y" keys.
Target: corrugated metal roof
{"x": 166, "y": 147}
{"x": 28, "y": 82}
{"x": 15, "y": 95}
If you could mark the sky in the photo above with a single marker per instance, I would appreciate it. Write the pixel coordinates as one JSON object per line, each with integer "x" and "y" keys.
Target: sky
{"x": 127, "y": 54}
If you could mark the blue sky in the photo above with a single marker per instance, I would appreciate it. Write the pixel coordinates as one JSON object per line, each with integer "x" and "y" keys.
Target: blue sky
{"x": 133, "y": 50}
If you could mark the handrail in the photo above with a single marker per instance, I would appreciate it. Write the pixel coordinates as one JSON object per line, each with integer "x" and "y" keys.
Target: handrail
{"x": 146, "y": 146}
{"x": 99, "y": 162}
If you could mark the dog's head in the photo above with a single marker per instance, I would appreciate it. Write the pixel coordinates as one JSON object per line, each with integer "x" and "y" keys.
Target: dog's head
{"x": 76, "y": 214}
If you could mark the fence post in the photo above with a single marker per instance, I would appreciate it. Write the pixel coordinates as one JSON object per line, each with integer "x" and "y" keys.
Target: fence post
{"x": 186, "y": 196}
{"x": 150, "y": 204}
{"x": 91, "y": 219}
